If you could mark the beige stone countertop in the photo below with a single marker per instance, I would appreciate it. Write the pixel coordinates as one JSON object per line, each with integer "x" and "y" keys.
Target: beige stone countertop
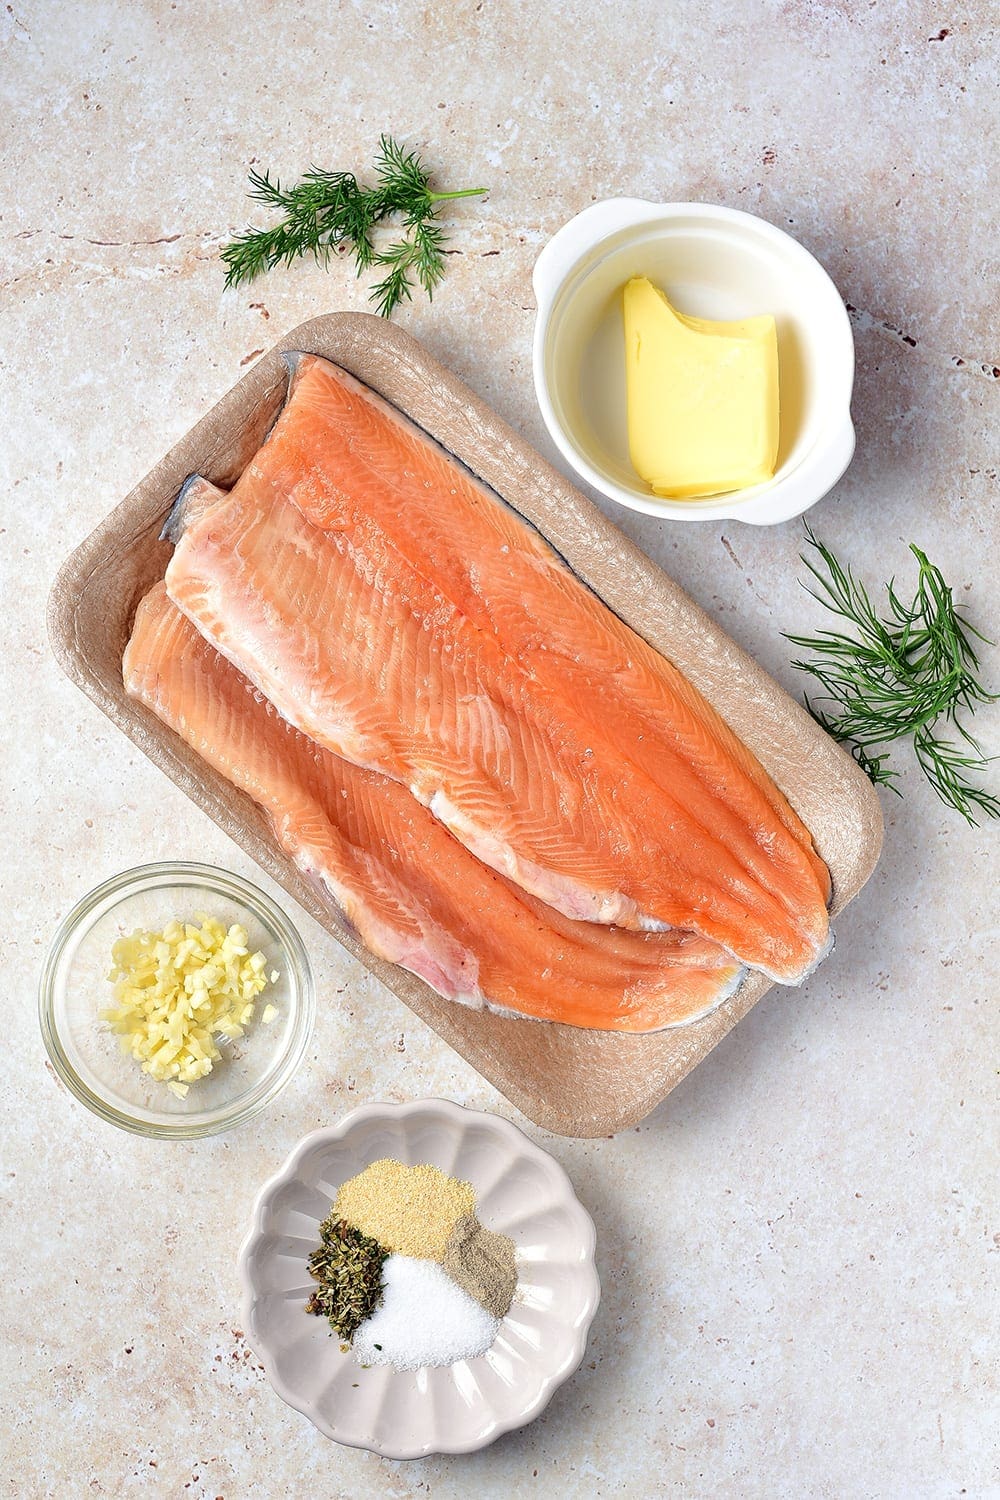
{"x": 800, "y": 1247}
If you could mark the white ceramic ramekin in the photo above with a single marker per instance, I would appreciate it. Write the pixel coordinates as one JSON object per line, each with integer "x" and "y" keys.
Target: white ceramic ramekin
{"x": 713, "y": 262}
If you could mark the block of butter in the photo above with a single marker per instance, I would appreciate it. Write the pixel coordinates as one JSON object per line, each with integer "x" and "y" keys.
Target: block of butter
{"x": 702, "y": 397}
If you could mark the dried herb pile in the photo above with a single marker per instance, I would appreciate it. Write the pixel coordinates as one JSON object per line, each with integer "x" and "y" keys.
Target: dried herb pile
{"x": 348, "y": 1268}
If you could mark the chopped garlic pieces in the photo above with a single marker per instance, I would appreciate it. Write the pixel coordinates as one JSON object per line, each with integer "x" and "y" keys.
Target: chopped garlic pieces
{"x": 179, "y": 989}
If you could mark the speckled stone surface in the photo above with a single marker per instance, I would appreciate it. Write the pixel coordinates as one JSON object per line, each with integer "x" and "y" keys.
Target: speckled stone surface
{"x": 800, "y": 1248}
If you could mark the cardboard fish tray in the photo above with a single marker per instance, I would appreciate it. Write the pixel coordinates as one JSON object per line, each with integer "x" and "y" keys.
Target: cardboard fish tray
{"x": 572, "y": 1082}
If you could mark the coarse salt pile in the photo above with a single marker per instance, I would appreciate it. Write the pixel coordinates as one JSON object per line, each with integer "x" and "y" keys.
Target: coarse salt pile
{"x": 424, "y": 1319}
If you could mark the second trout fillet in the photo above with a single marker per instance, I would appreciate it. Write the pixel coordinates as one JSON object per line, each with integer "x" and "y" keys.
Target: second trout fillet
{"x": 355, "y": 648}
{"x": 415, "y": 896}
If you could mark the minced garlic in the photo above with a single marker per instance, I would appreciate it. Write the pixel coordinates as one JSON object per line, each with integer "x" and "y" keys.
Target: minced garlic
{"x": 179, "y": 989}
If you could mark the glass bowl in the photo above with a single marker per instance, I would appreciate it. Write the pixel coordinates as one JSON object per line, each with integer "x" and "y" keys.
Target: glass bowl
{"x": 74, "y": 989}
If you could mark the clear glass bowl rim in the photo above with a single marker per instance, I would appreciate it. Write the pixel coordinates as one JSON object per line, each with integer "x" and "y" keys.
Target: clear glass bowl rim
{"x": 221, "y": 882}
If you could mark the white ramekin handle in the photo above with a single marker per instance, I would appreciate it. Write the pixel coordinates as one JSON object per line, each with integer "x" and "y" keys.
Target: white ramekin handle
{"x": 841, "y": 450}
{"x": 584, "y": 231}
{"x": 814, "y": 478}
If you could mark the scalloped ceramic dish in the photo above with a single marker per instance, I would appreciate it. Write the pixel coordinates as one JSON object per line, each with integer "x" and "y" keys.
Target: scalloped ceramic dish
{"x": 522, "y": 1192}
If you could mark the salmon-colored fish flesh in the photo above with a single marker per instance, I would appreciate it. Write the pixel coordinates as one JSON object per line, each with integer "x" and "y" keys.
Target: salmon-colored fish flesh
{"x": 412, "y": 892}
{"x": 355, "y": 651}
{"x": 346, "y": 629}
{"x": 342, "y": 447}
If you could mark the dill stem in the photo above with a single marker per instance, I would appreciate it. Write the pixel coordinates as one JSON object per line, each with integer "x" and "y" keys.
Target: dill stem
{"x": 462, "y": 193}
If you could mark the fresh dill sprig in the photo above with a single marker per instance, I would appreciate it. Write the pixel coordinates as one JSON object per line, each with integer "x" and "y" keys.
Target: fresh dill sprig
{"x": 904, "y": 675}
{"x": 328, "y": 211}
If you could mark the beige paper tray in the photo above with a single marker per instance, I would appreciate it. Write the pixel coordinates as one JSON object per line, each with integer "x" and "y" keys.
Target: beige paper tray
{"x": 569, "y": 1081}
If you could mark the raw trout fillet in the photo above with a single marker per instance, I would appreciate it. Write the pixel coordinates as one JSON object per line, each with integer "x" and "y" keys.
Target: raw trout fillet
{"x": 362, "y": 653}
{"x": 343, "y": 448}
{"x": 412, "y": 892}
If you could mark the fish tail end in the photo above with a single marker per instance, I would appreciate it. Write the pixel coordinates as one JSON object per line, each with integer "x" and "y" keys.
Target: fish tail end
{"x": 193, "y": 497}
{"x": 293, "y": 361}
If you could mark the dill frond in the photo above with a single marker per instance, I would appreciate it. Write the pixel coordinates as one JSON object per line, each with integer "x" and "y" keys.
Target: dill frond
{"x": 904, "y": 675}
{"x": 326, "y": 211}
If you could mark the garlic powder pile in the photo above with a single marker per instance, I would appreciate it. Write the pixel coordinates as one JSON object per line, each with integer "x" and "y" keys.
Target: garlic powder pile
{"x": 409, "y": 1209}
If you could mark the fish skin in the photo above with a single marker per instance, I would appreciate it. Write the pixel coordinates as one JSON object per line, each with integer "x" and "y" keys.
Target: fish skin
{"x": 349, "y": 643}
{"x": 414, "y": 895}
